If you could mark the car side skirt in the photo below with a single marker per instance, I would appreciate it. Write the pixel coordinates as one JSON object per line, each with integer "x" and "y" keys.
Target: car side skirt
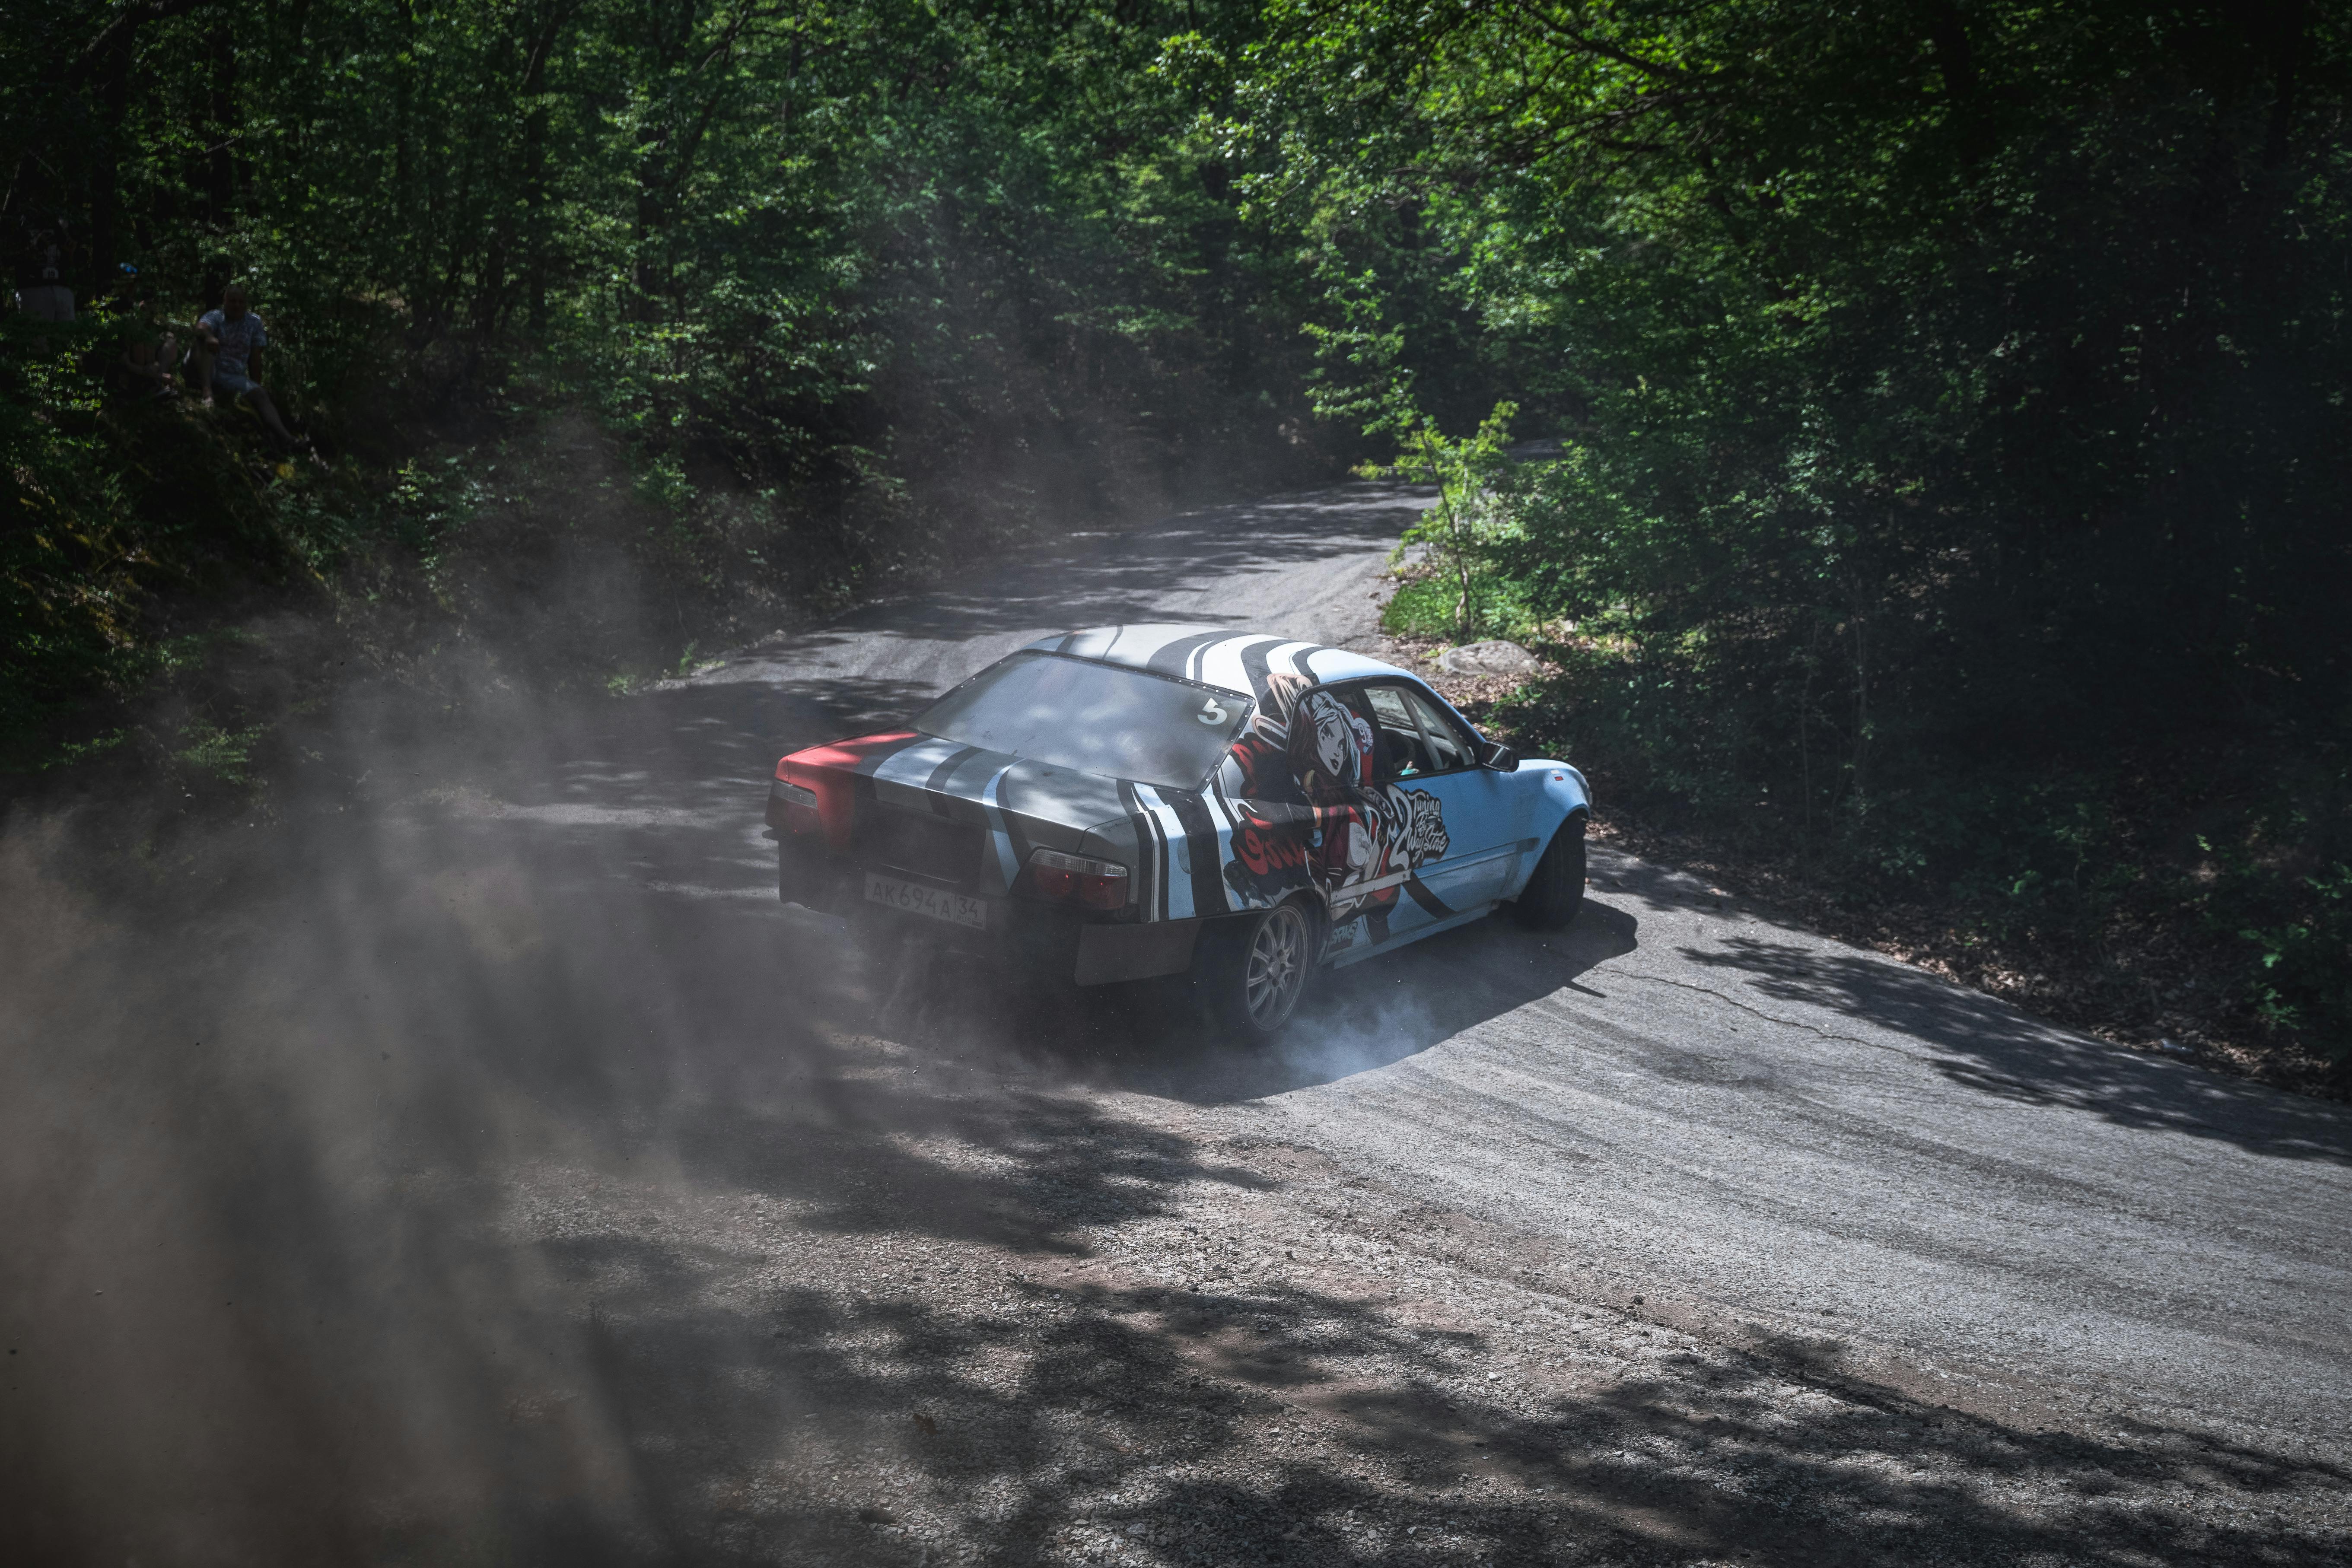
{"x": 1407, "y": 937}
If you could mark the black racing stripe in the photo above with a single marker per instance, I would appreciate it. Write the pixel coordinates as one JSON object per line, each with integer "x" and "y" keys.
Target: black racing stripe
{"x": 1298, "y": 660}
{"x": 936, "y": 785}
{"x": 1152, "y": 848}
{"x": 1022, "y": 843}
{"x": 1253, "y": 668}
{"x": 1142, "y": 846}
{"x": 1201, "y": 848}
{"x": 1063, "y": 645}
{"x": 873, "y": 760}
{"x": 1199, "y": 659}
{"x": 971, "y": 774}
{"x": 1172, "y": 655}
{"x": 1227, "y": 640}
{"x": 1431, "y": 903}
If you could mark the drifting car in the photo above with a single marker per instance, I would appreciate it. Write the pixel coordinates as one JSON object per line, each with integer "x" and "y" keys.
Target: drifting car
{"x": 1135, "y": 801}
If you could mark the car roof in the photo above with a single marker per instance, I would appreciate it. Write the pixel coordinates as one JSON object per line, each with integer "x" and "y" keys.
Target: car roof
{"x": 1214, "y": 656}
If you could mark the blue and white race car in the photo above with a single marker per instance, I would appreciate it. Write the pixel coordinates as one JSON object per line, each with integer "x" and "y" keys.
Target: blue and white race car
{"x": 1135, "y": 801}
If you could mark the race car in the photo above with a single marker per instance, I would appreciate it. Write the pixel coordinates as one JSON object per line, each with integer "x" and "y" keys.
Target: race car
{"x": 1138, "y": 800}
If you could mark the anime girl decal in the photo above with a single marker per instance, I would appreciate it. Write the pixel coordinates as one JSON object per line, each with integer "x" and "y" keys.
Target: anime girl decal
{"x": 1330, "y": 754}
{"x": 1299, "y": 784}
{"x": 1330, "y": 748}
{"x": 1272, "y": 821}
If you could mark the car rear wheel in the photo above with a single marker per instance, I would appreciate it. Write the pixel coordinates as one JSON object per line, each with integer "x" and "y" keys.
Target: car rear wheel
{"x": 1556, "y": 890}
{"x": 1259, "y": 969}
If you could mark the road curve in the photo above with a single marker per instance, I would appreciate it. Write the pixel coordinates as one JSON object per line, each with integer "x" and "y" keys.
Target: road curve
{"x": 483, "y": 1154}
{"x": 1767, "y": 1137}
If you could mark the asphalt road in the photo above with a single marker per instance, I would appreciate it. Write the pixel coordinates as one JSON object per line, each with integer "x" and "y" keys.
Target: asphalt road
{"x": 1763, "y": 1132}
{"x": 1681, "y": 1236}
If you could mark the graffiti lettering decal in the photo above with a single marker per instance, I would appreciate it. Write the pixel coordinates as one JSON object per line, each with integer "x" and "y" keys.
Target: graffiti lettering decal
{"x": 1425, "y": 836}
{"x": 1264, "y": 852}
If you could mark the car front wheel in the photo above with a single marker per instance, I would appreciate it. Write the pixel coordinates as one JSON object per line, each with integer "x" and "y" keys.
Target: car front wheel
{"x": 1555, "y": 890}
{"x": 1258, "y": 969}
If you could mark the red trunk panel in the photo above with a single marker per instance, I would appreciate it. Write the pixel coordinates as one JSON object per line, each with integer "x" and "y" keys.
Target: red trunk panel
{"x": 830, "y": 771}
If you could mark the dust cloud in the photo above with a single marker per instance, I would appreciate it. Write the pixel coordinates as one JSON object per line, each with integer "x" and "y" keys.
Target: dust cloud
{"x": 483, "y": 1167}
{"x": 356, "y": 1146}
{"x": 262, "y": 1089}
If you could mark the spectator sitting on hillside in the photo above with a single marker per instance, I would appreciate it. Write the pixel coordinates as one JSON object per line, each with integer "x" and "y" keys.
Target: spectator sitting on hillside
{"x": 150, "y": 353}
{"x": 229, "y": 340}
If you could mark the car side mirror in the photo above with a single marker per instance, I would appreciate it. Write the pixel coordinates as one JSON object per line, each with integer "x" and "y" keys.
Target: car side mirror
{"x": 1495, "y": 755}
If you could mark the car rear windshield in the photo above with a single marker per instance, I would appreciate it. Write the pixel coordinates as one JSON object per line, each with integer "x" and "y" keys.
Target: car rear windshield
{"x": 1093, "y": 718}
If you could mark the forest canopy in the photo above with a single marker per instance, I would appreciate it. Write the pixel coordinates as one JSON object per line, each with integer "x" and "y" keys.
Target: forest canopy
{"x": 1953, "y": 461}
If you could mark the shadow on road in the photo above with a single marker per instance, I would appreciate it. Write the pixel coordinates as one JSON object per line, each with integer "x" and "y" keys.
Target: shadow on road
{"x": 1988, "y": 1046}
{"x": 1155, "y": 1037}
{"x": 495, "y": 1173}
{"x": 465, "y": 1198}
{"x": 1120, "y": 574}
{"x": 870, "y": 1418}
{"x": 677, "y": 776}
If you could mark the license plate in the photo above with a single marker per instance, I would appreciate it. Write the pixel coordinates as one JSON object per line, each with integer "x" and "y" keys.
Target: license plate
{"x": 917, "y": 899}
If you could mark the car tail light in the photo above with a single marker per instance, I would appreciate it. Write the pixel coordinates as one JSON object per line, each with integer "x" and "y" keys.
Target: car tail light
{"x": 797, "y": 804}
{"x": 1076, "y": 879}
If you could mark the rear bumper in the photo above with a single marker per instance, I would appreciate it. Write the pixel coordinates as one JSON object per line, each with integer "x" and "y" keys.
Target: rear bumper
{"x": 1039, "y": 938}
{"x": 1107, "y": 953}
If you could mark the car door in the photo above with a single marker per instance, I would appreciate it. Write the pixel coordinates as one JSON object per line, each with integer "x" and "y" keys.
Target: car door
{"x": 1477, "y": 803}
{"x": 1428, "y": 840}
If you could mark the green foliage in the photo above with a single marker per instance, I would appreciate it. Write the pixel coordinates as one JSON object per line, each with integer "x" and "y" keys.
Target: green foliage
{"x": 1460, "y": 534}
{"x": 1358, "y": 376}
{"x": 1953, "y": 397}
{"x": 863, "y": 287}
{"x": 2305, "y": 961}
{"x": 72, "y": 564}
{"x": 431, "y": 499}
{"x": 226, "y": 754}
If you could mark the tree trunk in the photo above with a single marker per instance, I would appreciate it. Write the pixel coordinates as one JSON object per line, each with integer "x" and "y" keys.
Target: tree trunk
{"x": 105, "y": 172}
{"x": 1463, "y": 624}
{"x": 1860, "y": 713}
{"x": 2285, "y": 23}
{"x": 534, "y": 162}
{"x": 1956, "y": 63}
{"x": 220, "y": 184}
{"x": 1804, "y": 732}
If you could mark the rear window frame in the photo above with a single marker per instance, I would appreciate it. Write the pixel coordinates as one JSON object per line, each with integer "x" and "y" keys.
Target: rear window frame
{"x": 1241, "y": 725}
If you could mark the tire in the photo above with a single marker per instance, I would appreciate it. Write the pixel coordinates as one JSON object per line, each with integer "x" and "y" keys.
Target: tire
{"x": 1555, "y": 892}
{"x": 1258, "y": 969}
